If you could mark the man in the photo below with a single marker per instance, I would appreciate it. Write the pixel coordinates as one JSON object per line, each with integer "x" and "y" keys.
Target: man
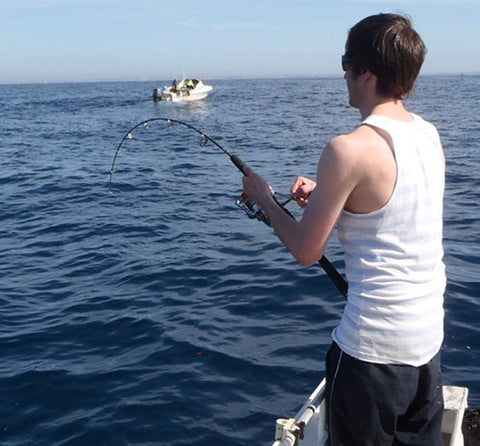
{"x": 382, "y": 185}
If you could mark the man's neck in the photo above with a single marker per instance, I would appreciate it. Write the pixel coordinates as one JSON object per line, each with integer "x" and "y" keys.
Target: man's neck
{"x": 389, "y": 107}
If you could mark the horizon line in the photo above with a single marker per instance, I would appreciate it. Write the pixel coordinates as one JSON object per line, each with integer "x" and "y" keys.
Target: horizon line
{"x": 226, "y": 77}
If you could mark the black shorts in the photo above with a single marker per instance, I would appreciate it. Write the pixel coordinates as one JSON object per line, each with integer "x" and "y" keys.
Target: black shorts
{"x": 383, "y": 405}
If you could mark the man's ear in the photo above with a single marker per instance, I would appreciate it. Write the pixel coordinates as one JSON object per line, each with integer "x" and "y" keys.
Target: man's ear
{"x": 368, "y": 77}
{"x": 366, "y": 73}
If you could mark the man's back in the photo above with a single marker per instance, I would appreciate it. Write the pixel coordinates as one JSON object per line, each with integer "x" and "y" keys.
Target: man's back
{"x": 394, "y": 256}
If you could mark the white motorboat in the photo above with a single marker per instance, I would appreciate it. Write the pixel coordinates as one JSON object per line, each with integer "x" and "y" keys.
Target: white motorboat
{"x": 308, "y": 426}
{"x": 188, "y": 89}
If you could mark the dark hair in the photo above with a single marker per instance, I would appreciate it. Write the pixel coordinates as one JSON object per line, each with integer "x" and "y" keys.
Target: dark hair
{"x": 389, "y": 47}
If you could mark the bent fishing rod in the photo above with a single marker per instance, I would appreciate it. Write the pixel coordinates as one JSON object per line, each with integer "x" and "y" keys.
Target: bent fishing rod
{"x": 251, "y": 208}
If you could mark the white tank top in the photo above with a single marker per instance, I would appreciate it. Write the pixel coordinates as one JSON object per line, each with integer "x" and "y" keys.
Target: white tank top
{"x": 393, "y": 257}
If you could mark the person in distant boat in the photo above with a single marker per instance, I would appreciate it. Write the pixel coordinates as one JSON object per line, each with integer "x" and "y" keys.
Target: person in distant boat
{"x": 382, "y": 185}
{"x": 174, "y": 85}
{"x": 189, "y": 85}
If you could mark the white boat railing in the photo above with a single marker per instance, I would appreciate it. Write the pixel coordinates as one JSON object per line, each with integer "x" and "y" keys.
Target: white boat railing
{"x": 455, "y": 400}
{"x": 308, "y": 426}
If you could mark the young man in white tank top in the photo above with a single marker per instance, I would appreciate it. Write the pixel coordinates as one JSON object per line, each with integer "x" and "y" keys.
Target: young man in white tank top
{"x": 382, "y": 184}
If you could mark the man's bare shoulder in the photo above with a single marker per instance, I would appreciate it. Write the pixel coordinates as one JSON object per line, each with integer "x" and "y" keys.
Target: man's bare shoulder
{"x": 362, "y": 145}
{"x": 360, "y": 137}
{"x": 349, "y": 148}
{"x": 341, "y": 157}
{"x": 366, "y": 161}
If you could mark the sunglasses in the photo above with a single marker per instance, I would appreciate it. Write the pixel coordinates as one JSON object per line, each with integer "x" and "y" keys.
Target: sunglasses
{"x": 346, "y": 62}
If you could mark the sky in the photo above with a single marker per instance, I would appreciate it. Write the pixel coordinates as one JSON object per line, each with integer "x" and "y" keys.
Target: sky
{"x": 110, "y": 40}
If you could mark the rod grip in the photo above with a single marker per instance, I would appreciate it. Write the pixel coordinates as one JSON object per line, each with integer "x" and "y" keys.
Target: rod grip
{"x": 238, "y": 162}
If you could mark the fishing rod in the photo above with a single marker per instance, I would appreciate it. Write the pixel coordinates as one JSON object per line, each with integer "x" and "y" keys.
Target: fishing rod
{"x": 251, "y": 208}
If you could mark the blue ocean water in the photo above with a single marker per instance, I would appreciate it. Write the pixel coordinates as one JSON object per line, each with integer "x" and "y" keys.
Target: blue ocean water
{"x": 156, "y": 313}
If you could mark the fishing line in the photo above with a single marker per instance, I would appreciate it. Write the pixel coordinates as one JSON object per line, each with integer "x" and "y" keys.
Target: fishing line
{"x": 251, "y": 208}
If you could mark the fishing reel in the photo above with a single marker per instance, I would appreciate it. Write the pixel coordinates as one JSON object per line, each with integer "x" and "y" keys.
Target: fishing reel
{"x": 254, "y": 211}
